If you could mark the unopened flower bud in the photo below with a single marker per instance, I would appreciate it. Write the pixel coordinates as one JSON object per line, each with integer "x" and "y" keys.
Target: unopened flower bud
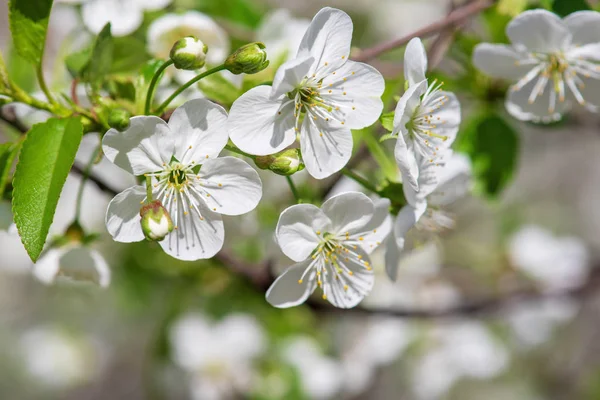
{"x": 285, "y": 163}
{"x": 248, "y": 59}
{"x": 189, "y": 53}
{"x": 119, "y": 119}
{"x": 156, "y": 221}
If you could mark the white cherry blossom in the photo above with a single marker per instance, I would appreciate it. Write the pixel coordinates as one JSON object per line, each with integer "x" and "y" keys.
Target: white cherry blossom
{"x": 331, "y": 246}
{"x": 193, "y": 184}
{"x": 218, "y": 356}
{"x": 426, "y": 118}
{"x": 281, "y": 33}
{"x": 72, "y": 263}
{"x": 554, "y": 63}
{"x": 319, "y": 95}
{"x": 125, "y": 16}
{"x": 440, "y": 186}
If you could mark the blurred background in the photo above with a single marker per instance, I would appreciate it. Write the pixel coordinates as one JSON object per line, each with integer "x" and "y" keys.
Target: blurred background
{"x": 504, "y": 306}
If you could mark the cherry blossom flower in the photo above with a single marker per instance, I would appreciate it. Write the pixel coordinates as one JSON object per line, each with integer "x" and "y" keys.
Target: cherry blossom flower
{"x": 218, "y": 356}
{"x": 319, "y": 94}
{"x": 440, "y": 186}
{"x": 331, "y": 246}
{"x": 193, "y": 184}
{"x": 554, "y": 63}
{"x": 426, "y": 119}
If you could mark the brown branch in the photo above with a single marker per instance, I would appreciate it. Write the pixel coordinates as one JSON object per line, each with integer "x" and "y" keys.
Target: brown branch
{"x": 455, "y": 17}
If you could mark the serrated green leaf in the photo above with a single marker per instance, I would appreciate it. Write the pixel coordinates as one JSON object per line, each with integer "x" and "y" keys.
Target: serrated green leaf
{"x": 566, "y": 7}
{"x": 8, "y": 151}
{"x": 387, "y": 121}
{"x": 101, "y": 58}
{"x": 128, "y": 54}
{"x": 493, "y": 146}
{"x": 46, "y": 157}
{"x": 29, "y": 25}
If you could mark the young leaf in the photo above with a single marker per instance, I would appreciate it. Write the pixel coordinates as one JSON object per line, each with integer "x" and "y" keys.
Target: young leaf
{"x": 128, "y": 54}
{"x": 101, "y": 58}
{"x": 493, "y": 147}
{"x": 46, "y": 157}
{"x": 566, "y": 7}
{"x": 8, "y": 151}
{"x": 387, "y": 121}
{"x": 76, "y": 62}
{"x": 29, "y": 25}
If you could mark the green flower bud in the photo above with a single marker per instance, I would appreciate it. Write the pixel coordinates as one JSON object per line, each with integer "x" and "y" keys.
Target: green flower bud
{"x": 248, "y": 59}
{"x": 288, "y": 162}
{"x": 189, "y": 53}
{"x": 119, "y": 119}
{"x": 156, "y": 221}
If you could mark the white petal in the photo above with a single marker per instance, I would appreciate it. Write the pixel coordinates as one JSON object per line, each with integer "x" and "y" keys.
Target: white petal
{"x": 349, "y": 212}
{"x": 584, "y": 26}
{"x": 325, "y": 150}
{"x": 404, "y": 152}
{"x": 84, "y": 265}
{"x": 286, "y": 291}
{"x": 297, "y": 229}
{"x": 499, "y": 61}
{"x": 454, "y": 181}
{"x": 393, "y": 255}
{"x": 591, "y": 92}
{"x": 349, "y": 290}
{"x": 125, "y": 16}
{"x": 141, "y": 148}
{"x": 123, "y": 219}
{"x": 281, "y": 33}
{"x": 289, "y": 76}
{"x": 517, "y": 104}
{"x": 415, "y": 62}
{"x": 48, "y": 265}
{"x": 102, "y": 268}
{"x": 328, "y": 40}
{"x": 538, "y": 30}
{"x": 234, "y": 186}
{"x": 194, "y": 238}
{"x": 589, "y": 51}
{"x": 379, "y": 226}
{"x": 200, "y": 130}
{"x": 406, "y": 219}
{"x": 256, "y": 126}
{"x": 152, "y": 4}
{"x": 356, "y": 89}
{"x": 428, "y": 181}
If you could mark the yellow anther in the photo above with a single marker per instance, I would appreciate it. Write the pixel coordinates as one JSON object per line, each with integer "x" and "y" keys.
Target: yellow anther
{"x": 299, "y": 281}
{"x": 346, "y": 288}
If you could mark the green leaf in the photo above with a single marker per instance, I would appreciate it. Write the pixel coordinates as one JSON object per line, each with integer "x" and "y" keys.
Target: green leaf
{"x": 493, "y": 146}
{"x": 128, "y": 54}
{"x": 29, "y": 24}
{"x": 218, "y": 88}
{"x": 4, "y": 81}
{"x": 76, "y": 62}
{"x": 21, "y": 72}
{"x": 387, "y": 121}
{"x": 566, "y": 7}
{"x": 46, "y": 157}
{"x": 101, "y": 58}
{"x": 8, "y": 151}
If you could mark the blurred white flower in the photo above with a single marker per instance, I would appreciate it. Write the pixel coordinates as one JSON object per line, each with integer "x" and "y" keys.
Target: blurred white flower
{"x": 553, "y": 61}
{"x": 72, "y": 262}
{"x": 555, "y": 263}
{"x": 457, "y": 349}
{"x": 440, "y": 186}
{"x": 426, "y": 118}
{"x": 281, "y": 33}
{"x": 533, "y": 322}
{"x": 331, "y": 246}
{"x": 218, "y": 356}
{"x": 320, "y": 376}
{"x": 333, "y": 94}
{"x": 125, "y": 16}
{"x": 59, "y": 360}
{"x": 168, "y": 29}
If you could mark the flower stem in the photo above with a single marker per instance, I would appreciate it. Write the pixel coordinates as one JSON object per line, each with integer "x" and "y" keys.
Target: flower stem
{"x": 293, "y": 188}
{"x": 148, "y": 189}
{"x": 238, "y": 151}
{"x": 186, "y": 85}
{"x": 153, "y": 83}
{"x": 43, "y": 86}
{"x": 353, "y": 175}
{"x": 84, "y": 178}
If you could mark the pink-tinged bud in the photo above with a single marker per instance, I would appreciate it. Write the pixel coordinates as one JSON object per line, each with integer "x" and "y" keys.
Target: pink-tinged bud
{"x": 156, "y": 221}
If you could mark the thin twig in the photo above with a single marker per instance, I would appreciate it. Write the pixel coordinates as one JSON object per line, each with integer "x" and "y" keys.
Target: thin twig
{"x": 453, "y": 18}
